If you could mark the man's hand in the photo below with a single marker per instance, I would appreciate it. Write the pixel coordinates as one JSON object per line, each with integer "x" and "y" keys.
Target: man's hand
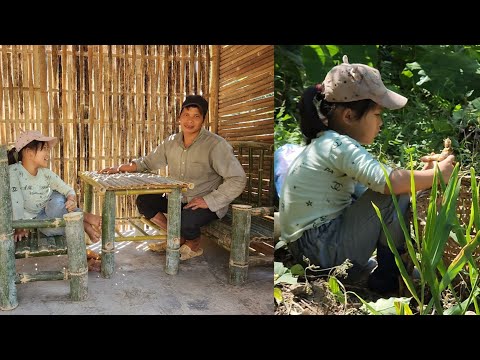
{"x": 110, "y": 170}
{"x": 196, "y": 203}
{"x": 19, "y": 233}
{"x": 132, "y": 167}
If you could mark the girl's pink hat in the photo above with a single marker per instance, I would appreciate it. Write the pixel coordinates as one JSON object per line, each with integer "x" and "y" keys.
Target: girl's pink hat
{"x": 27, "y": 137}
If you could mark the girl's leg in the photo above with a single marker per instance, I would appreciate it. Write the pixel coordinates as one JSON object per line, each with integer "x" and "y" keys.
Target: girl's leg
{"x": 55, "y": 208}
{"x": 361, "y": 230}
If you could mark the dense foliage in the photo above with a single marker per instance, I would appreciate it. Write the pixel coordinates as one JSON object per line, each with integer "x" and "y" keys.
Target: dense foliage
{"x": 442, "y": 84}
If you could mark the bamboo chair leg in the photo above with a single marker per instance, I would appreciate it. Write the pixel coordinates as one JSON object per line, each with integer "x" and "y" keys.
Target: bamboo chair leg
{"x": 8, "y": 290}
{"x": 238, "y": 265}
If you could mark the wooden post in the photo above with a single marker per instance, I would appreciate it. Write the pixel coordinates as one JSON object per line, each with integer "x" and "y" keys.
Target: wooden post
{"x": 77, "y": 256}
{"x": 8, "y": 290}
{"x": 173, "y": 231}
{"x": 108, "y": 234}
{"x": 238, "y": 266}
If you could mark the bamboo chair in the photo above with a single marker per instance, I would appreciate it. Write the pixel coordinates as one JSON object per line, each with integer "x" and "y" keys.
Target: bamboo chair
{"x": 247, "y": 229}
{"x": 72, "y": 243}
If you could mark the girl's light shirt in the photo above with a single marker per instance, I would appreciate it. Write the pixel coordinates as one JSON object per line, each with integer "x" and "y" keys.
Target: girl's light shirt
{"x": 31, "y": 193}
{"x": 321, "y": 180}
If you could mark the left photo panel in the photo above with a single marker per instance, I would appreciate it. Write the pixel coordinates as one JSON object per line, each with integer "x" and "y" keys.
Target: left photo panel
{"x": 137, "y": 179}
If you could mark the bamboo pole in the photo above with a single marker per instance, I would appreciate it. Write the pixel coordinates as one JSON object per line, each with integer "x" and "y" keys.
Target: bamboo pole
{"x": 108, "y": 235}
{"x": 182, "y": 72}
{"x": 87, "y": 196}
{"x": 260, "y": 177}
{"x": 64, "y": 113}
{"x": 34, "y": 223}
{"x": 74, "y": 72}
{"x": 141, "y": 238}
{"x": 215, "y": 89}
{"x": 8, "y": 290}
{"x": 176, "y": 86}
{"x": 198, "y": 68}
{"x": 89, "y": 159}
{"x": 207, "y": 80}
{"x": 77, "y": 256}
{"x": 101, "y": 104}
{"x": 137, "y": 70}
{"x": 193, "y": 89}
{"x": 165, "y": 76}
{"x": 4, "y": 132}
{"x": 55, "y": 86}
{"x": 170, "y": 119}
{"x": 42, "y": 67}
{"x": 29, "y": 113}
{"x": 173, "y": 231}
{"x": 80, "y": 110}
{"x": 108, "y": 101}
{"x": 148, "y": 91}
{"x": 23, "y": 278}
{"x": 15, "y": 74}
{"x": 10, "y": 105}
{"x": 238, "y": 265}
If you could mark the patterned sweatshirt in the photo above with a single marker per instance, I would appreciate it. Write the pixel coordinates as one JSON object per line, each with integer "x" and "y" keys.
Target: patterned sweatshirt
{"x": 31, "y": 193}
{"x": 321, "y": 181}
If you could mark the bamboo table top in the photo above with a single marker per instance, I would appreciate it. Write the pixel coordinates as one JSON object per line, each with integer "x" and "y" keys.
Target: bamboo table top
{"x": 132, "y": 181}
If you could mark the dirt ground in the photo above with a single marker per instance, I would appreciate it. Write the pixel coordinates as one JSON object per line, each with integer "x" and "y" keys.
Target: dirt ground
{"x": 141, "y": 286}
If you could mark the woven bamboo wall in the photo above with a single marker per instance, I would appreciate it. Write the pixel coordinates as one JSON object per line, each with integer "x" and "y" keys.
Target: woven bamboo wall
{"x": 106, "y": 104}
{"x": 245, "y": 113}
{"x": 245, "y": 93}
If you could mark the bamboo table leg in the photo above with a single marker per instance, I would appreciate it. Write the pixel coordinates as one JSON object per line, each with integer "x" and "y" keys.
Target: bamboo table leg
{"x": 77, "y": 261}
{"x": 173, "y": 231}
{"x": 87, "y": 197}
{"x": 108, "y": 234}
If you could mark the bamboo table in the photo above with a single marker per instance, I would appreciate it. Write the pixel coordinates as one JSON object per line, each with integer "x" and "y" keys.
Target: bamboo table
{"x": 111, "y": 185}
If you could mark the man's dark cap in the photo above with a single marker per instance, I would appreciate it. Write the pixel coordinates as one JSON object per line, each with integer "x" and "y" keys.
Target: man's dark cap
{"x": 198, "y": 101}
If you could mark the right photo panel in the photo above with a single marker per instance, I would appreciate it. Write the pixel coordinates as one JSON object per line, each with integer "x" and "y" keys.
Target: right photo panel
{"x": 376, "y": 162}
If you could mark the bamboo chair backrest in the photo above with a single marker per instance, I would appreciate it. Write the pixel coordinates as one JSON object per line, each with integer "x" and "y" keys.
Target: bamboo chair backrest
{"x": 257, "y": 161}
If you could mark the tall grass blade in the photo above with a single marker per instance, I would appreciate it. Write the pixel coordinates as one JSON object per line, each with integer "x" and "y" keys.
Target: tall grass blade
{"x": 398, "y": 260}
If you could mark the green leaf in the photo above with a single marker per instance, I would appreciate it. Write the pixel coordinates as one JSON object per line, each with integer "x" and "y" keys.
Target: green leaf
{"x": 387, "y": 306}
{"x": 277, "y": 294}
{"x": 297, "y": 270}
{"x": 335, "y": 289}
{"x": 442, "y": 126}
{"x": 476, "y": 103}
{"x": 402, "y": 308}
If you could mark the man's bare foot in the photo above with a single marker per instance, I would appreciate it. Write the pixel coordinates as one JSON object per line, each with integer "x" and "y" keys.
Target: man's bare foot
{"x": 91, "y": 232}
{"x": 160, "y": 220}
{"x": 92, "y": 219}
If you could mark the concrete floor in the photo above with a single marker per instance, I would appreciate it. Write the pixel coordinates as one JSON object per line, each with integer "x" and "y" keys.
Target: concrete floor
{"x": 140, "y": 286}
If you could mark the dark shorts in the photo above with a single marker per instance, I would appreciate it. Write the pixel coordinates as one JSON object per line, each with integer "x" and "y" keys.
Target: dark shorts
{"x": 191, "y": 220}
